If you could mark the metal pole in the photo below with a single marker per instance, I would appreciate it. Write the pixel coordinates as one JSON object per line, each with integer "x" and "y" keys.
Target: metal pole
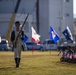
{"x": 12, "y": 20}
{"x": 37, "y": 15}
{"x": 61, "y": 17}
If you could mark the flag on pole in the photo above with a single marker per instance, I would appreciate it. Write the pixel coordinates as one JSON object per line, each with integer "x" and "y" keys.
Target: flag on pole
{"x": 67, "y": 33}
{"x": 53, "y": 35}
{"x": 25, "y": 38}
{"x": 35, "y": 36}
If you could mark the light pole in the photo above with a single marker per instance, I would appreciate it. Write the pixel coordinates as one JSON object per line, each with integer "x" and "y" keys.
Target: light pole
{"x": 37, "y": 15}
{"x": 60, "y": 28}
{"x": 60, "y": 20}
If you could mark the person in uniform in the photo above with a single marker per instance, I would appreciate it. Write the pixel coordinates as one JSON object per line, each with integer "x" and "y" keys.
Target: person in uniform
{"x": 17, "y": 44}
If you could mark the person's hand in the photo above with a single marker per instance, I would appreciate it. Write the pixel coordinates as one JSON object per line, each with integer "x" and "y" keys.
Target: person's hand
{"x": 15, "y": 44}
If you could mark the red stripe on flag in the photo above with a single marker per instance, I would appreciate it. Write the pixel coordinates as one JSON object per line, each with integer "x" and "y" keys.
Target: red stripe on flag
{"x": 33, "y": 40}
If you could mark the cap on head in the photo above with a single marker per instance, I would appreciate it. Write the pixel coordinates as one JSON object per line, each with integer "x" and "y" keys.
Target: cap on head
{"x": 17, "y": 23}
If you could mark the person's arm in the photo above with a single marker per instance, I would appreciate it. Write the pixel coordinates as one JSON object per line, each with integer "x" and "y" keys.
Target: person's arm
{"x": 12, "y": 38}
{"x": 22, "y": 37}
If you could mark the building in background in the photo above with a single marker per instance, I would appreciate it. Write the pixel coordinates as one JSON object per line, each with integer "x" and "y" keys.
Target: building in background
{"x": 45, "y": 13}
{"x": 75, "y": 29}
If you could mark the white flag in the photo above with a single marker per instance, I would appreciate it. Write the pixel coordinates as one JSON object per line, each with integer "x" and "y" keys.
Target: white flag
{"x": 35, "y": 36}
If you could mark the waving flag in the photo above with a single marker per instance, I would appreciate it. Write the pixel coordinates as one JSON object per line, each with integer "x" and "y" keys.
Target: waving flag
{"x": 67, "y": 33}
{"x": 53, "y": 35}
{"x": 35, "y": 36}
{"x": 25, "y": 39}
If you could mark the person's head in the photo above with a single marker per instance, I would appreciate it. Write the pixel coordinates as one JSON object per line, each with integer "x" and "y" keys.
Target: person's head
{"x": 17, "y": 25}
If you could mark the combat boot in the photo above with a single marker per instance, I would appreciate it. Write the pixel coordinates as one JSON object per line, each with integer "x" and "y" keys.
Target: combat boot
{"x": 19, "y": 61}
{"x": 16, "y": 61}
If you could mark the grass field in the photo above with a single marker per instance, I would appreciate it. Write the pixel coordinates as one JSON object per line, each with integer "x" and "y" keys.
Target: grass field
{"x": 36, "y": 63}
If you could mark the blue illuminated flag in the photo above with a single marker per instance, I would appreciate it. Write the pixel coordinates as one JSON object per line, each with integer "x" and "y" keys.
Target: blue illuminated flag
{"x": 25, "y": 39}
{"x": 53, "y": 35}
{"x": 67, "y": 33}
